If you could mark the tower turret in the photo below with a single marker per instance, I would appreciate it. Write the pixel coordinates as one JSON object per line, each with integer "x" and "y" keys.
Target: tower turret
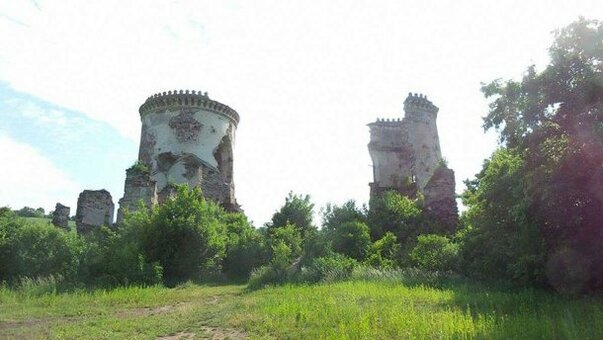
{"x": 420, "y": 117}
{"x": 407, "y": 158}
{"x": 186, "y": 138}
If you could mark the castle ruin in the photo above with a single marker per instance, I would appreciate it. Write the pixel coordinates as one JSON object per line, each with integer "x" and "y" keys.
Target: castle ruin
{"x": 407, "y": 158}
{"x": 186, "y": 138}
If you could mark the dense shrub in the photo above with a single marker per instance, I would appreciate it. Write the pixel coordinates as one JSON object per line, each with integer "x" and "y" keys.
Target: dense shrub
{"x": 385, "y": 252}
{"x": 334, "y": 267}
{"x": 400, "y": 215}
{"x": 351, "y": 239}
{"x": 434, "y": 252}
{"x": 297, "y": 211}
{"x": 184, "y": 235}
{"x": 36, "y": 250}
{"x": 115, "y": 258}
{"x": 334, "y": 216}
{"x": 246, "y": 247}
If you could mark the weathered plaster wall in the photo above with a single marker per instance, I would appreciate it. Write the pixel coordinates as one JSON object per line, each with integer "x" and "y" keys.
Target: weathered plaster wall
{"x": 391, "y": 153}
{"x": 187, "y": 138}
{"x": 423, "y": 135}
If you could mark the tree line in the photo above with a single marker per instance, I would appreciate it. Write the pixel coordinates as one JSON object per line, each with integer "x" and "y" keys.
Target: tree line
{"x": 534, "y": 214}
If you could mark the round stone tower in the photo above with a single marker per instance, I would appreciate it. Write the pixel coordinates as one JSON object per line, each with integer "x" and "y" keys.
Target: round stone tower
{"x": 420, "y": 116}
{"x": 186, "y": 138}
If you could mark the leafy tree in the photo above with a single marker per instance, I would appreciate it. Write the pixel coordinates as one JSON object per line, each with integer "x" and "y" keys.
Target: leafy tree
{"x": 385, "y": 252}
{"x": 31, "y": 212}
{"x": 500, "y": 239}
{"x": 554, "y": 121}
{"x": 287, "y": 236}
{"x": 245, "y": 247}
{"x": 36, "y": 250}
{"x": 334, "y": 216}
{"x": 400, "y": 215}
{"x": 351, "y": 239}
{"x": 296, "y": 211}
{"x": 184, "y": 235}
{"x": 434, "y": 252}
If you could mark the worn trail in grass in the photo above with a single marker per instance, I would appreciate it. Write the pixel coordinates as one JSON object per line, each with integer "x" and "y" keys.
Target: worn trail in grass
{"x": 121, "y": 313}
{"x": 357, "y": 309}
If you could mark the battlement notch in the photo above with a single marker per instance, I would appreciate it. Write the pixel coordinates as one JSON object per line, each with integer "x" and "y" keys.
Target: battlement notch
{"x": 419, "y": 102}
{"x": 186, "y": 98}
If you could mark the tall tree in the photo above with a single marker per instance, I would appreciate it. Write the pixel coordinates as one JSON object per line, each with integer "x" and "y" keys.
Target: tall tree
{"x": 296, "y": 211}
{"x": 554, "y": 120}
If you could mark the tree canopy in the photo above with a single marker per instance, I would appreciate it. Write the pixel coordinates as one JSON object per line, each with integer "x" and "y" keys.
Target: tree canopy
{"x": 553, "y": 121}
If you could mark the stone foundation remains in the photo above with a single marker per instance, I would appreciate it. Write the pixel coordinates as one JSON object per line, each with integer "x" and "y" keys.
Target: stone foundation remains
{"x": 139, "y": 188}
{"x": 94, "y": 209}
{"x": 60, "y": 216}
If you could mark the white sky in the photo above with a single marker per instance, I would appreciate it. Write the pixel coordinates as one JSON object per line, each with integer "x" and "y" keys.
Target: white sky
{"x": 305, "y": 76}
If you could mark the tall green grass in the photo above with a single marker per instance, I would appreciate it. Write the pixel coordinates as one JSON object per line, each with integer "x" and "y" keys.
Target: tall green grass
{"x": 403, "y": 304}
{"x": 378, "y": 305}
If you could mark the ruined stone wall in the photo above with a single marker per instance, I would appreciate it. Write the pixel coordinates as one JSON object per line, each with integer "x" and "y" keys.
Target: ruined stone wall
{"x": 60, "y": 216}
{"x": 187, "y": 138}
{"x": 139, "y": 187}
{"x": 391, "y": 153}
{"x": 95, "y": 208}
{"x": 440, "y": 200}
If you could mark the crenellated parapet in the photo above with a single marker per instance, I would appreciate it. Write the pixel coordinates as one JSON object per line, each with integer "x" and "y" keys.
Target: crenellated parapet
{"x": 386, "y": 122}
{"x": 419, "y": 102}
{"x": 186, "y": 98}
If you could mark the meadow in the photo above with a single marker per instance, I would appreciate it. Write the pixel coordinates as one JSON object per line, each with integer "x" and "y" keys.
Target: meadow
{"x": 48, "y": 221}
{"x": 356, "y": 309}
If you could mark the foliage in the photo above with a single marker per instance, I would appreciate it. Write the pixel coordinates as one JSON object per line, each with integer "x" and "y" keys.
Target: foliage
{"x": 296, "y": 211}
{"x": 400, "y": 215}
{"x": 140, "y": 166}
{"x": 334, "y": 216}
{"x": 351, "y": 239}
{"x": 246, "y": 248}
{"x": 434, "y": 252}
{"x": 385, "y": 252}
{"x": 113, "y": 258}
{"x": 35, "y": 250}
{"x": 184, "y": 235}
{"x": 553, "y": 121}
{"x": 500, "y": 241}
{"x": 334, "y": 267}
{"x": 31, "y": 212}
{"x": 288, "y": 237}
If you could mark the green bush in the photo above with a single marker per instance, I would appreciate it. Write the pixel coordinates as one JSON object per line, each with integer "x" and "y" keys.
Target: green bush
{"x": 115, "y": 258}
{"x": 334, "y": 216}
{"x": 434, "y": 252}
{"x": 400, "y": 215}
{"x": 351, "y": 239}
{"x": 385, "y": 252}
{"x": 184, "y": 236}
{"x": 36, "y": 250}
{"x": 246, "y": 247}
{"x": 297, "y": 211}
{"x": 335, "y": 267}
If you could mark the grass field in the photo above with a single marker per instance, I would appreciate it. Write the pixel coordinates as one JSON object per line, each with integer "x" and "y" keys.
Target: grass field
{"x": 343, "y": 310}
{"x": 46, "y": 220}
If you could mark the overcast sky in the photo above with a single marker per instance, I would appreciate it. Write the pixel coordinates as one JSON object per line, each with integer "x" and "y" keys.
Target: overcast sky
{"x": 305, "y": 76}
